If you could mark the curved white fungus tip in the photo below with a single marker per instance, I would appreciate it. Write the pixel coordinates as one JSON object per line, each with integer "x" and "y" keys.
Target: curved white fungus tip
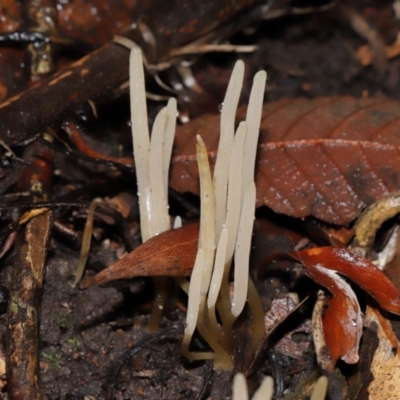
{"x": 123, "y": 41}
{"x": 227, "y": 130}
{"x": 177, "y": 222}
{"x": 235, "y": 188}
{"x": 240, "y": 387}
{"x": 266, "y": 390}
{"x": 253, "y": 119}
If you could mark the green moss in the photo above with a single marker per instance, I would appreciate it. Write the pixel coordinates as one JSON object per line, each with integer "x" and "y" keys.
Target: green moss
{"x": 64, "y": 322}
{"x": 53, "y": 359}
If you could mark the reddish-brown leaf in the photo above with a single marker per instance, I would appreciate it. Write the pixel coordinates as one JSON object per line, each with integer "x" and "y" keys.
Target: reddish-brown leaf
{"x": 355, "y": 267}
{"x": 341, "y": 320}
{"x": 326, "y": 157}
{"x": 171, "y": 253}
{"x": 315, "y": 156}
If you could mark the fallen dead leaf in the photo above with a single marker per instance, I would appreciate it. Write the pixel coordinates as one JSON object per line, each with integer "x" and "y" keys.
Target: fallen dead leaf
{"x": 171, "y": 253}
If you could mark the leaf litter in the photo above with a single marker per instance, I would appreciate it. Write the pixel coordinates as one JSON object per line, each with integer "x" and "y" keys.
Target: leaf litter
{"x": 95, "y": 353}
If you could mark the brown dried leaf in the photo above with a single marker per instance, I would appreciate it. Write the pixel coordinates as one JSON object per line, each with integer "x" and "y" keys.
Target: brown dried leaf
{"x": 326, "y": 157}
{"x": 171, "y": 253}
{"x": 315, "y": 156}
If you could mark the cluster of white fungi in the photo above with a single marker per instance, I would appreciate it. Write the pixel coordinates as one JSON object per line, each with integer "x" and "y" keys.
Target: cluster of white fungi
{"x": 226, "y": 221}
{"x": 227, "y": 209}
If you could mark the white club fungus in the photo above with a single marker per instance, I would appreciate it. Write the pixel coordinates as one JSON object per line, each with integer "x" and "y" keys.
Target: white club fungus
{"x": 152, "y": 160}
{"x": 227, "y": 214}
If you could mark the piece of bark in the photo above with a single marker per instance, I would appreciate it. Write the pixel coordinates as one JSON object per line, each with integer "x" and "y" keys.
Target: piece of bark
{"x": 26, "y": 286}
{"x": 385, "y": 366}
{"x": 94, "y": 76}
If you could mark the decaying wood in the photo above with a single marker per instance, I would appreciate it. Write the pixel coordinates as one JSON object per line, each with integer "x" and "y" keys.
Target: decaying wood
{"x": 26, "y": 286}
{"x": 98, "y": 75}
{"x": 94, "y": 76}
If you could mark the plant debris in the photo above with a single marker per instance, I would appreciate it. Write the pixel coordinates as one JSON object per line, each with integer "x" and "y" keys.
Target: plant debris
{"x": 326, "y": 186}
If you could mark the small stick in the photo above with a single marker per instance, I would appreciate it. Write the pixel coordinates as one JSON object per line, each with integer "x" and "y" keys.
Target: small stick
{"x": 26, "y": 285}
{"x": 99, "y": 75}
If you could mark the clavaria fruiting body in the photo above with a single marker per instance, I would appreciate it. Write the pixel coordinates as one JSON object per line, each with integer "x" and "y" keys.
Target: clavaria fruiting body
{"x": 240, "y": 392}
{"x": 152, "y": 160}
{"x": 266, "y": 389}
{"x": 227, "y": 212}
{"x": 226, "y": 225}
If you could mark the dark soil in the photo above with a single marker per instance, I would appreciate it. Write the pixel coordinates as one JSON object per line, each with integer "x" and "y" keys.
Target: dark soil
{"x": 85, "y": 333}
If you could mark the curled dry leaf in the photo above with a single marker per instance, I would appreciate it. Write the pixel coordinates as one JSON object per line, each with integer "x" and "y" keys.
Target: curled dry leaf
{"x": 171, "y": 253}
{"x": 374, "y": 216}
{"x": 341, "y": 319}
{"x": 338, "y": 319}
{"x": 355, "y": 267}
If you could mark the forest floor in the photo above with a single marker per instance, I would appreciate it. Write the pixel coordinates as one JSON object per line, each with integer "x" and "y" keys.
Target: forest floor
{"x": 85, "y": 333}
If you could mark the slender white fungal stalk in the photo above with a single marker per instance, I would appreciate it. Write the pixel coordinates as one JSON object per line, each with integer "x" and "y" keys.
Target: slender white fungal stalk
{"x": 227, "y": 214}
{"x": 216, "y": 280}
{"x": 193, "y": 309}
{"x": 195, "y": 293}
{"x": 202, "y": 282}
{"x": 159, "y": 201}
{"x": 242, "y": 251}
{"x": 218, "y": 269}
{"x": 234, "y": 201}
{"x": 233, "y": 209}
{"x": 152, "y": 165}
{"x": 169, "y": 141}
{"x": 264, "y": 392}
{"x": 141, "y": 141}
{"x": 257, "y": 313}
{"x": 207, "y": 216}
{"x": 221, "y": 169}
